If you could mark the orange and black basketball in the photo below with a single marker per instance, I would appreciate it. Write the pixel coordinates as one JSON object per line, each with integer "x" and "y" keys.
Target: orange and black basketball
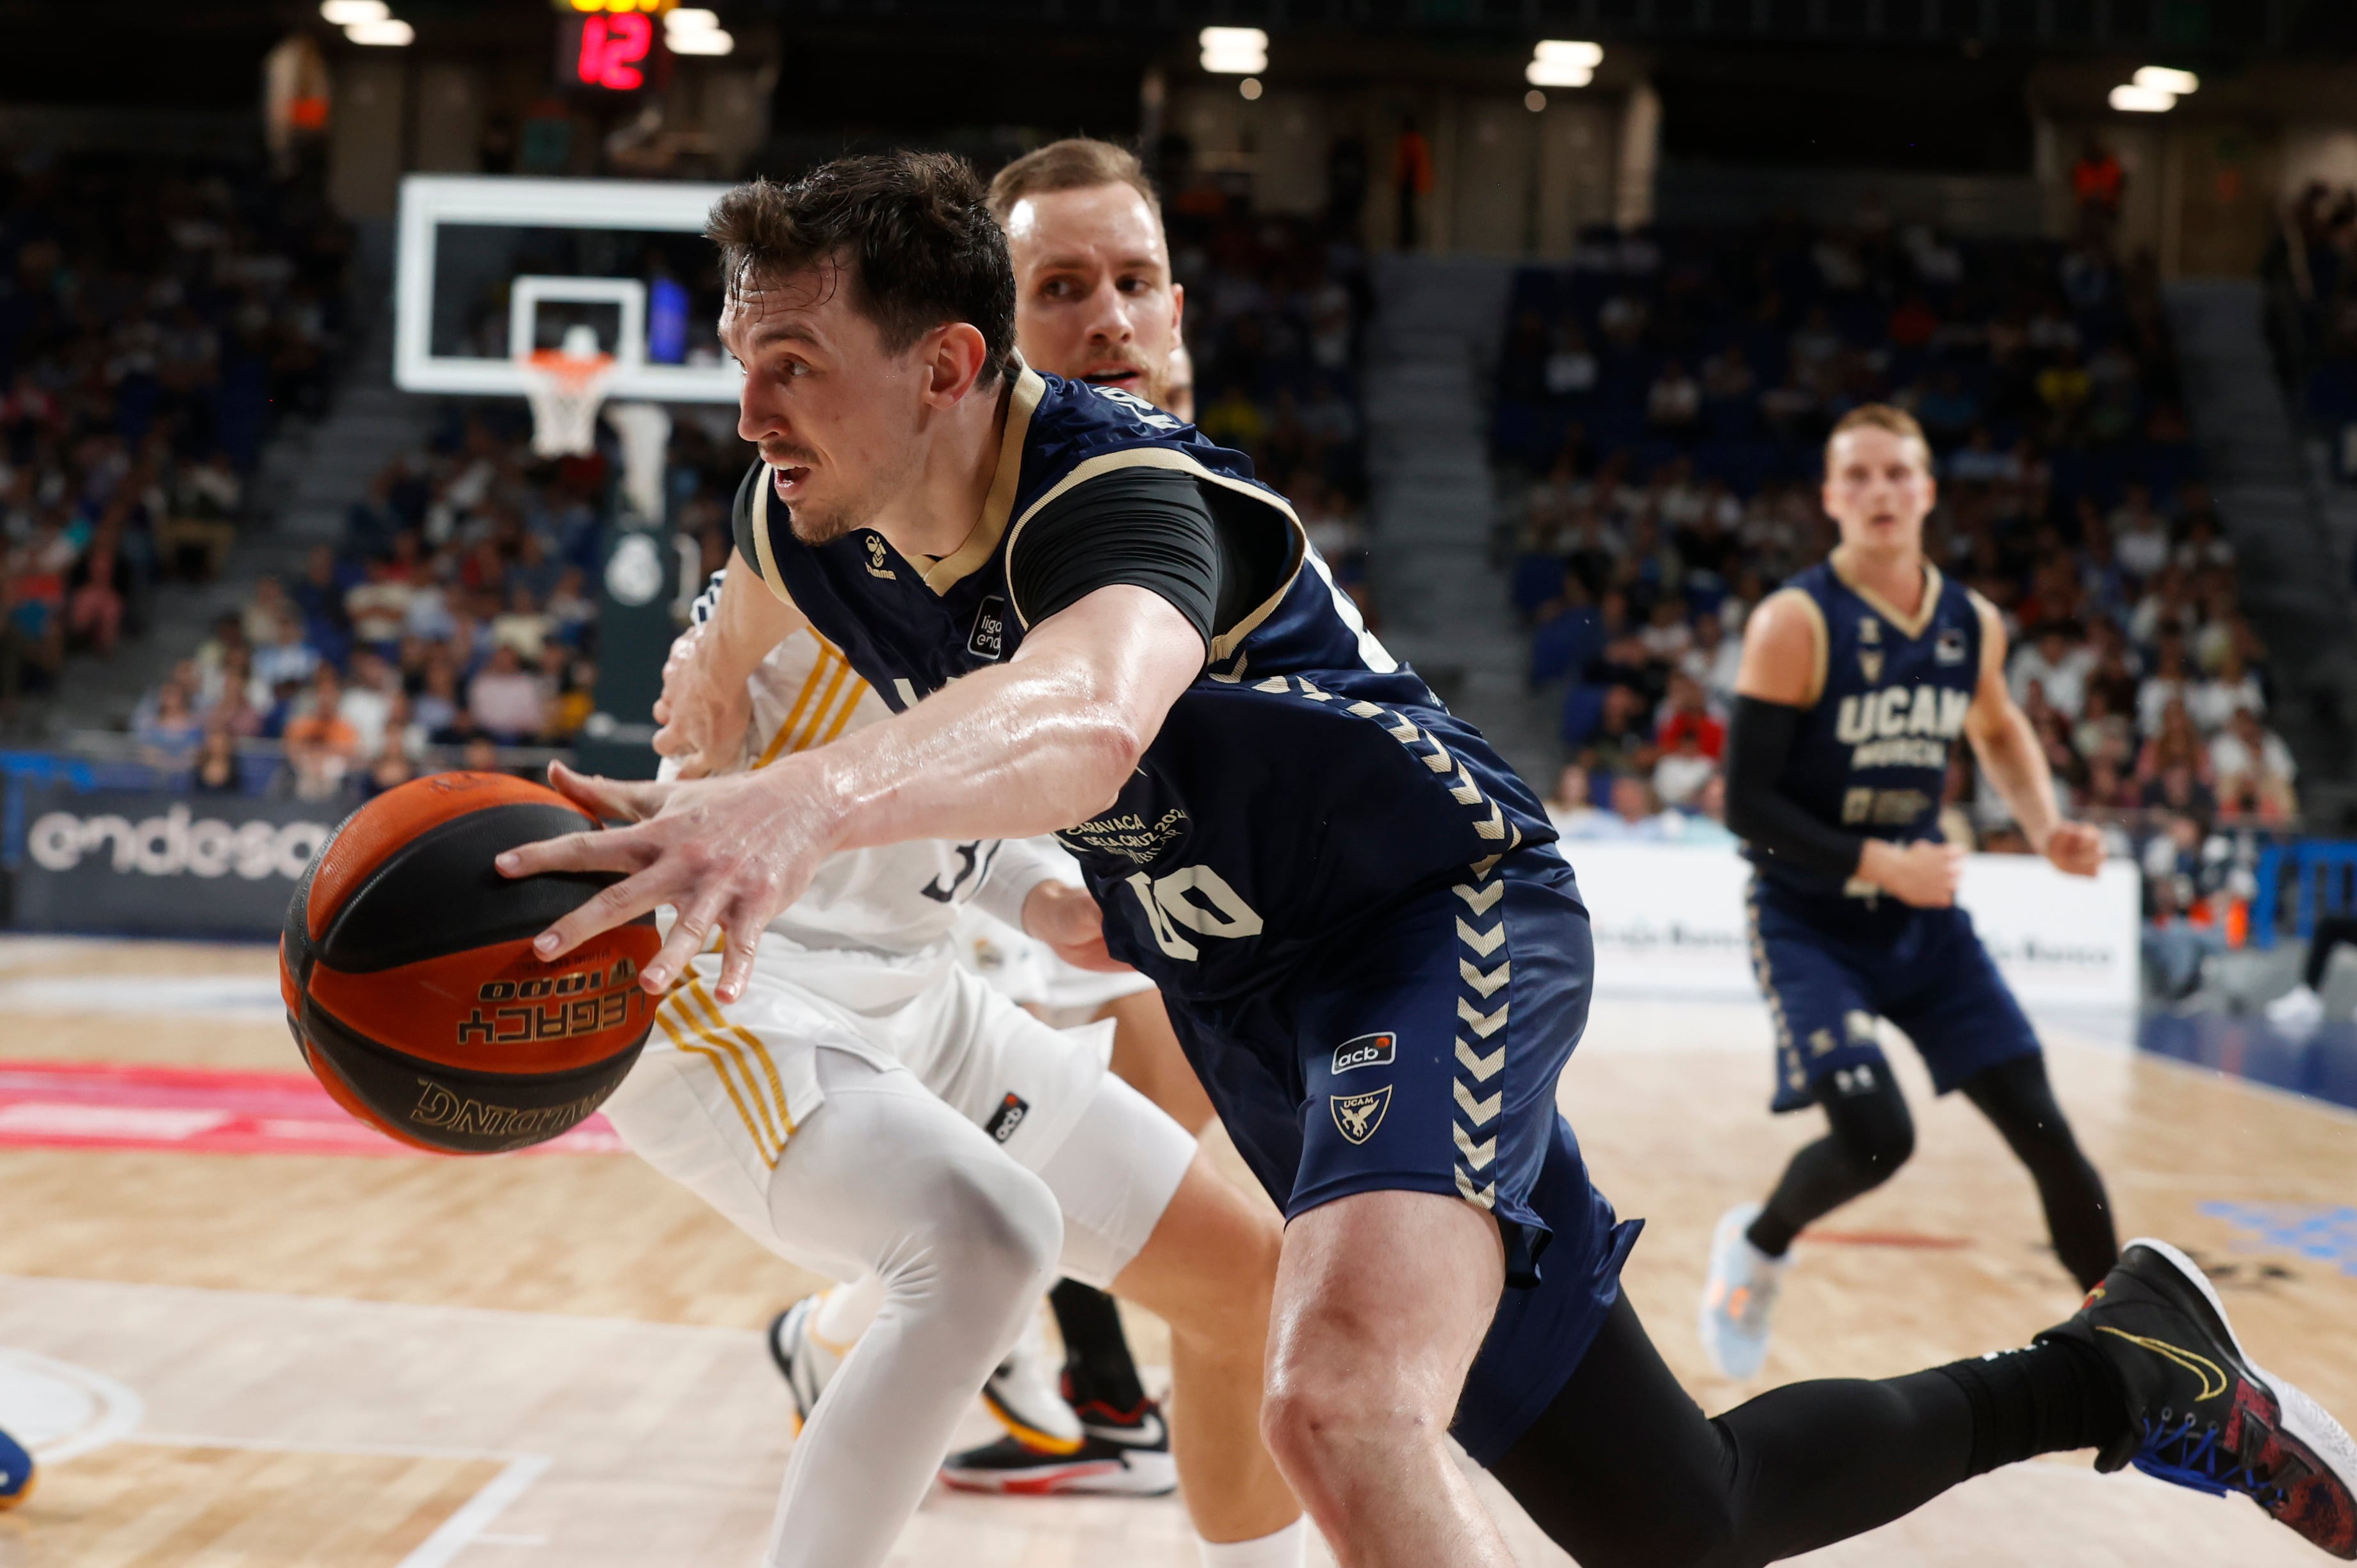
{"x": 409, "y": 981}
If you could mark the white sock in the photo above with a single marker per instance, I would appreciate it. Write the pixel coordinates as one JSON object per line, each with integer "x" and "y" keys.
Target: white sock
{"x": 845, "y": 1313}
{"x": 1281, "y": 1549}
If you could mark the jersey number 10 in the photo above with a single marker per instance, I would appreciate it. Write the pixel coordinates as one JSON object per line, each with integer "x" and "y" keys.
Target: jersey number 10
{"x": 1215, "y": 909}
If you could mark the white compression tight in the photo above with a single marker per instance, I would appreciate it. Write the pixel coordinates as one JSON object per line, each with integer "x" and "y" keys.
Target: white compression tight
{"x": 885, "y": 1178}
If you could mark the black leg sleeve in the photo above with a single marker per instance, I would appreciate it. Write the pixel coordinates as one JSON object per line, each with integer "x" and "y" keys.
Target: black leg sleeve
{"x": 2016, "y": 1097}
{"x": 1869, "y": 1136}
{"x": 1623, "y": 1470}
{"x": 1097, "y": 1364}
{"x": 2329, "y": 933}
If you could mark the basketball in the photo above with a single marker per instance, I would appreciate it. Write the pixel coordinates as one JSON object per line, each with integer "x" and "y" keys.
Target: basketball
{"x": 410, "y": 982}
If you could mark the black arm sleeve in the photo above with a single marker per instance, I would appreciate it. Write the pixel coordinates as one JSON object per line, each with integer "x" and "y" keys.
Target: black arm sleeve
{"x": 1758, "y": 744}
{"x": 1155, "y": 529}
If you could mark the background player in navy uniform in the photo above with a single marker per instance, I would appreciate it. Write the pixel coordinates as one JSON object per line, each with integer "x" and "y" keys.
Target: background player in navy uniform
{"x": 1859, "y": 678}
{"x": 1374, "y": 955}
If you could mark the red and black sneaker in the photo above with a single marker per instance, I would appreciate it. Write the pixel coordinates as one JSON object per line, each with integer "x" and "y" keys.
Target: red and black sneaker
{"x": 1094, "y": 1465}
{"x": 2200, "y": 1413}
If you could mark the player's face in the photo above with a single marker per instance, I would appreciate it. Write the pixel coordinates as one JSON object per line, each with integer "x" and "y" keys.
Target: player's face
{"x": 1879, "y": 488}
{"x": 1093, "y": 298}
{"x": 838, "y": 419}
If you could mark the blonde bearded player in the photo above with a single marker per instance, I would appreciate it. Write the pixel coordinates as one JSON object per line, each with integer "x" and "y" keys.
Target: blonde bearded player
{"x": 1094, "y": 301}
{"x": 870, "y": 1110}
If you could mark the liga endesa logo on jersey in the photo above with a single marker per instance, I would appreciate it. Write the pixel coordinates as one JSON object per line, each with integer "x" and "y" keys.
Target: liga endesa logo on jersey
{"x": 176, "y": 843}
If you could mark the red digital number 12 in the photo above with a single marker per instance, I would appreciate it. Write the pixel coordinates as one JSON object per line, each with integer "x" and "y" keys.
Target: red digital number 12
{"x": 610, "y": 46}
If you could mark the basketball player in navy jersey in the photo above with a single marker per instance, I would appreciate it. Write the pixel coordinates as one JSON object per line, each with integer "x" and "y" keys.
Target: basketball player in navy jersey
{"x": 1098, "y": 624}
{"x": 1859, "y": 678}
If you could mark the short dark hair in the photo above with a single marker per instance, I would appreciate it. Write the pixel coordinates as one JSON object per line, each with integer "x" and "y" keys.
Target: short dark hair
{"x": 911, "y": 231}
{"x": 1076, "y": 163}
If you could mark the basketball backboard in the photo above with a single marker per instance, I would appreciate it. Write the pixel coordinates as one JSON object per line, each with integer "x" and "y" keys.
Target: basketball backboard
{"x": 488, "y": 268}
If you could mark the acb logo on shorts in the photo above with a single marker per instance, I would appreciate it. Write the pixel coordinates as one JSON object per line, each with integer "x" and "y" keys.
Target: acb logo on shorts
{"x": 1365, "y": 1050}
{"x": 1007, "y": 1117}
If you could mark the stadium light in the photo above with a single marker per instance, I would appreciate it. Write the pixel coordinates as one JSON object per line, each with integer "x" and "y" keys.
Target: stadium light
{"x": 1250, "y": 88}
{"x": 389, "y": 33}
{"x": 1563, "y": 62}
{"x": 2134, "y": 100}
{"x": 2161, "y": 79}
{"x": 347, "y": 12}
{"x": 1235, "y": 51}
{"x": 692, "y": 30}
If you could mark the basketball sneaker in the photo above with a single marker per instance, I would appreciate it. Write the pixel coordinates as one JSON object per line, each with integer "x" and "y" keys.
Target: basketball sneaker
{"x": 1052, "y": 1446}
{"x": 17, "y": 1475}
{"x": 2200, "y": 1413}
{"x": 2298, "y": 1012}
{"x": 1740, "y": 1297}
{"x": 802, "y": 1360}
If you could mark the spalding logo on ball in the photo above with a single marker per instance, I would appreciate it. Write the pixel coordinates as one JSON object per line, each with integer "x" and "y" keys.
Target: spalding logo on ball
{"x": 410, "y": 982}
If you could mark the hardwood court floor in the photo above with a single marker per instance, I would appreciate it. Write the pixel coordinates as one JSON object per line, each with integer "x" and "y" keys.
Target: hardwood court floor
{"x": 552, "y": 1362}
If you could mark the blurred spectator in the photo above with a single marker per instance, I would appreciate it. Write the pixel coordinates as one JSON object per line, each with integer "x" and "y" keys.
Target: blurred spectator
{"x": 1571, "y": 805}
{"x": 217, "y": 771}
{"x": 1635, "y": 814}
{"x": 2055, "y": 660}
{"x": 168, "y": 736}
{"x": 2255, "y": 769}
{"x": 506, "y": 700}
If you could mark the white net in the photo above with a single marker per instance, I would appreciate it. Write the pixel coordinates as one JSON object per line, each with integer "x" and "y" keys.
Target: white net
{"x": 565, "y": 386}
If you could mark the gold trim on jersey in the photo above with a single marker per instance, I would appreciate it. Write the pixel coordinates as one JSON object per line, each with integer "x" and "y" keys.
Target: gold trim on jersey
{"x": 1911, "y": 626}
{"x": 765, "y": 558}
{"x": 1816, "y": 613}
{"x": 1224, "y": 646}
{"x": 830, "y": 716}
{"x": 968, "y": 557}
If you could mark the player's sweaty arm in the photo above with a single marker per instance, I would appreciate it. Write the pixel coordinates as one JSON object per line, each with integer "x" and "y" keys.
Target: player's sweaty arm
{"x": 1038, "y": 743}
{"x": 2007, "y": 747}
{"x": 1782, "y": 675}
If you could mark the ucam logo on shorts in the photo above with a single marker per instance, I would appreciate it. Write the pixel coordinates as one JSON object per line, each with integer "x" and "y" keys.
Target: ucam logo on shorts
{"x": 1365, "y": 1050}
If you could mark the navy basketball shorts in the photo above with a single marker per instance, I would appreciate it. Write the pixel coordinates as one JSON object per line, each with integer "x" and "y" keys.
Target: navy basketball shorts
{"x": 1428, "y": 1041}
{"x": 1830, "y": 965}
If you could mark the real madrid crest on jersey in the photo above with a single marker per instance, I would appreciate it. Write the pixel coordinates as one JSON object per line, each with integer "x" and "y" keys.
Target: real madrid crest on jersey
{"x": 875, "y": 566}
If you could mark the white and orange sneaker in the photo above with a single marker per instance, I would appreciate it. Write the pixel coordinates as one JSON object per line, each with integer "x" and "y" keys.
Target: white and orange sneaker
{"x": 1740, "y": 1297}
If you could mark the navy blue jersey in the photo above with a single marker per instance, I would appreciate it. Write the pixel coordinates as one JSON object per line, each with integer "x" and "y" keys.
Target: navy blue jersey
{"x": 1305, "y": 781}
{"x": 1871, "y": 755}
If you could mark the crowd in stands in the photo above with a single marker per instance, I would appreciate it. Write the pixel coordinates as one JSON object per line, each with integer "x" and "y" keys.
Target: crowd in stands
{"x": 456, "y": 620}
{"x": 1666, "y": 397}
{"x": 157, "y": 315}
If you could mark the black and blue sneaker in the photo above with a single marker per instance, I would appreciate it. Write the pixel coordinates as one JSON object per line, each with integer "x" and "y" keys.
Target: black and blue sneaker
{"x": 2200, "y": 1413}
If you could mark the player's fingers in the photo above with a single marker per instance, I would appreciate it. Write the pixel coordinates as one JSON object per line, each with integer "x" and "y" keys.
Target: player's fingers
{"x": 607, "y": 908}
{"x": 686, "y": 940}
{"x": 597, "y": 850}
{"x": 737, "y": 961}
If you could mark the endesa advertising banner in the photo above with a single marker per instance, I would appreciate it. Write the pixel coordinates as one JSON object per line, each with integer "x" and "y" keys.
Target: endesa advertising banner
{"x": 142, "y": 863}
{"x": 1670, "y": 919}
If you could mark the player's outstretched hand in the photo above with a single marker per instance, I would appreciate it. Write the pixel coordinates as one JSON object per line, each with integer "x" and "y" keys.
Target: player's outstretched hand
{"x": 1923, "y": 874}
{"x": 1068, "y": 919}
{"x": 702, "y": 714}
{"x": 727, "y": 853}
{"x": 2076, "y": 847}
